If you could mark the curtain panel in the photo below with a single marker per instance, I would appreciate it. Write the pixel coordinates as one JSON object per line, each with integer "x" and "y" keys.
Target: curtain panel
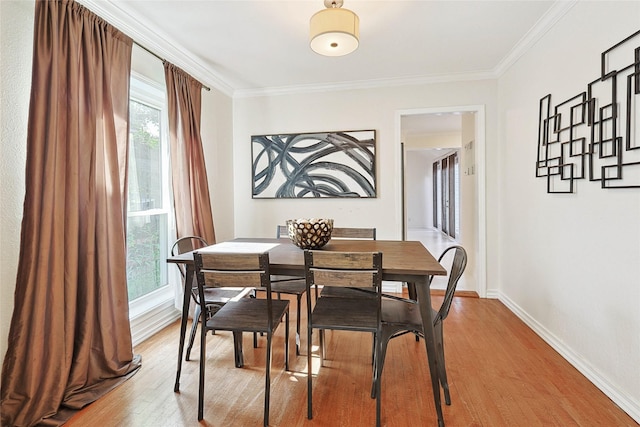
{"x": 189, "y": 175}
{"x": 69, "y": 339}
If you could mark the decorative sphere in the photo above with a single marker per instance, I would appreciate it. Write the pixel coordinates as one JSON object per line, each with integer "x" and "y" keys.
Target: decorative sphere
{"x": 310, "y": 233}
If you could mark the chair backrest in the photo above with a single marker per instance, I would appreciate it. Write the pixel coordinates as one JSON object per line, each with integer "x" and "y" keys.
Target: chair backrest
{"x": 337, "y": 232}
{"x": 236, "y": 270}
{"x": 344, "y": 269}
{"x": 458, "y": 264}
{"x": 353, "y": 233}
{"x": 282, "y": 232}
{"x": 226, "y": 269}
{"x": 187, "y": 244}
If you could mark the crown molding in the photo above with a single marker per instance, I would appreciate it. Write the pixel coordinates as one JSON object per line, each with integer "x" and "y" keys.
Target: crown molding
{"x": 544, "y": 24}
{"x": 364, "y": 84}
{"x": 152, "y": 38}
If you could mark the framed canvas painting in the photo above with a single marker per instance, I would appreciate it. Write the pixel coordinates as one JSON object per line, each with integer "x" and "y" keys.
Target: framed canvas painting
{"x": 314, "y": 165}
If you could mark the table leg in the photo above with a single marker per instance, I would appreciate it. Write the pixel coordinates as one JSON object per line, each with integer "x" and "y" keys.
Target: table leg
{"x": 424, "y": 302}
{"x": 183, "y": 320}
{"x": 237, "y": 349}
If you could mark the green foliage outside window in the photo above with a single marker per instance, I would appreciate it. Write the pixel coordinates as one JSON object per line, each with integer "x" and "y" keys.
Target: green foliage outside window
{"x": 146, "y": 222}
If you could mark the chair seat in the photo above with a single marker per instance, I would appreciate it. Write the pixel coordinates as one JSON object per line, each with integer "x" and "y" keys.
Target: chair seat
{"x": 349, "y": 314}
{"x": 290, "y": 286}
{"x": 247, "y": 315}
{"x": 403, "y": 313}
{"x": 281, "y": 278}
{"x": 224, "y": 295}
{"x": 342, "y": 292}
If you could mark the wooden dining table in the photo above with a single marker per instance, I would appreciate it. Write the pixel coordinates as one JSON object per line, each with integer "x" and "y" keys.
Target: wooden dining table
{"x": 402, "y": 261}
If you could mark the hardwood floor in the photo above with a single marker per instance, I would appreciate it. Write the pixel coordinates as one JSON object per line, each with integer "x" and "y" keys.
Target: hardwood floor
{"x": 500, "y": 374}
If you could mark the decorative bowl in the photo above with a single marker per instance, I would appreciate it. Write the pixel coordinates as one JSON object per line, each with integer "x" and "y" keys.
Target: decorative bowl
{"x": 311, "y": 233}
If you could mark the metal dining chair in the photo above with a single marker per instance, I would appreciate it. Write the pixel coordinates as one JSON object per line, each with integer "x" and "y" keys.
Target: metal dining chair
{"x": 264, "y": 315}
{"x": 400, "y": 316}
{"x": 215, "y": 298}
{"x": 342, "y": 269}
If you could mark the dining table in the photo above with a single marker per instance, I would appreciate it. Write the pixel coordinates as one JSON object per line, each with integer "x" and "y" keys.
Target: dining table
{"x": 402, "y": 261}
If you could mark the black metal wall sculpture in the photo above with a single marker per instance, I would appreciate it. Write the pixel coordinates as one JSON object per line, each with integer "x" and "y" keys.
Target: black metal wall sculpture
{"x": 595, "y": 134}
{"x": 308, "y": 165}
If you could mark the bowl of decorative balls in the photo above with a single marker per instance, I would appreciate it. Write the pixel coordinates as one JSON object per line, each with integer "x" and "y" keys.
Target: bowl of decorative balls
{"x": 312, "y": 233}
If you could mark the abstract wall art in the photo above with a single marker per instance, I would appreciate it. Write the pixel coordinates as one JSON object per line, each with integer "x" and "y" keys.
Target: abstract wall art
{"x": 595, "y": 135}
{"x": 314, "y": 165}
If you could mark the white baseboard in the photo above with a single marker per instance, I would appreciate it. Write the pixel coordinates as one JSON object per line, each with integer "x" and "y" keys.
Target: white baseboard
{"x": 625, "y": 403}
{"x": 493, "y": 294}
{"x": 152, "y": 321}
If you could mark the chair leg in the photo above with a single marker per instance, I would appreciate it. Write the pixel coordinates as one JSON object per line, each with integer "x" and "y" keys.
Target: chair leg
{"x": 203, "y": 354}
{"x": 373, "y": 350}
{"x": 385, "y": 336}
{"x": 309, "y": 372}
{"x": 255, "y": 334}
{"x": 322, "y": 347}
{"x": 298, "y": 326}
{"x": 286, "y": 341}
{"x": 378, "y": 391}
{"x": 442, "y": 369}
{"x": 267, "y": 383}
{"x": 411, "y": 288}
{"x": 194, "y": 329}
{"x": 378, "y": 359}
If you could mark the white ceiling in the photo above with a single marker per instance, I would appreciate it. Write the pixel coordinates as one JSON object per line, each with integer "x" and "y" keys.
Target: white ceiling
{"x": 246, "y": 46}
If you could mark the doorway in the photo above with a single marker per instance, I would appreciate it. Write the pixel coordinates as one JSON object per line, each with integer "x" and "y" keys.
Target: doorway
{"x": 439, "y": 140}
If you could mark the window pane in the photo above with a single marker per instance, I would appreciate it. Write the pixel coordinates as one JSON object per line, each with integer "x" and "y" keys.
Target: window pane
{"x": 145, "y": 158}
{"x": 146, "y": 260}
{"x": 148, "y": 217}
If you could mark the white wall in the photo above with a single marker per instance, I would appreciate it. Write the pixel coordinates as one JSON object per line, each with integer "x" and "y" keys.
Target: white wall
{"x": 419, "y": 188}
{"x": 16, "y": 47}
{"x": 355, "y": 109}
{"x": 570, "y": 264}
{"x": 217, "y": 143}
{"x": 432, "y": 140}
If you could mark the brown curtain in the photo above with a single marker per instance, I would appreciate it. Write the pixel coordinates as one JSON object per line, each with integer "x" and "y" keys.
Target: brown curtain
{"x": 70, "y": 339}
{"x": 189, "y": 175}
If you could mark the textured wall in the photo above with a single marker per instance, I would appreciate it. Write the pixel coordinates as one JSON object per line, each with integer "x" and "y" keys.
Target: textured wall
{"x": 16, "y": 46}
{"x": 570, "y": 263}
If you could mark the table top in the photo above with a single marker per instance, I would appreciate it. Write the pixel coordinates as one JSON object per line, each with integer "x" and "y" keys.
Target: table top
{"x": 401, "y": 260}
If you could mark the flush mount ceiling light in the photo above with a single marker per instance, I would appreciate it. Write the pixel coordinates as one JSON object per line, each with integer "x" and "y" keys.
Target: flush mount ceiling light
{"x": 334, "y": 31}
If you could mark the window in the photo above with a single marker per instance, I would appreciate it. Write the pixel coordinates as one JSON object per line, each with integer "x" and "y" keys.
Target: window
{"x": 149, "y": 214}
{"x": 446, "y": 195}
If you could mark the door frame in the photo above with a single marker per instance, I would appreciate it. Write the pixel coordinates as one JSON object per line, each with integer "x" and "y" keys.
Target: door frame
{"x": 480, "y": 174}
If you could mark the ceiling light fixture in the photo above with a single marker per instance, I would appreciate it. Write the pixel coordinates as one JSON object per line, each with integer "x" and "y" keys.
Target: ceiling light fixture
{"x": 334, "y": 31}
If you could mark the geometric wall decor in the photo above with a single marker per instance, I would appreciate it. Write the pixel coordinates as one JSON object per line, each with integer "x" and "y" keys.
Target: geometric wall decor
{"x": 595, "y": 135}
{"x": 314, "y": 165}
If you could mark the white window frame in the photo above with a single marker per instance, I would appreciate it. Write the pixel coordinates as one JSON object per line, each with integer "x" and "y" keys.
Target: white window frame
{"x": 154, "y": 311}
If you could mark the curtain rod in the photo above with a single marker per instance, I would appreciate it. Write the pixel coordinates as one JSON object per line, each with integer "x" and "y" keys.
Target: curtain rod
{"x": 162, "y": 59}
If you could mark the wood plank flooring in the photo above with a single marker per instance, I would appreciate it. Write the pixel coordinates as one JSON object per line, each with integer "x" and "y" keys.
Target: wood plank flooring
{"x": 500, "y": 373}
